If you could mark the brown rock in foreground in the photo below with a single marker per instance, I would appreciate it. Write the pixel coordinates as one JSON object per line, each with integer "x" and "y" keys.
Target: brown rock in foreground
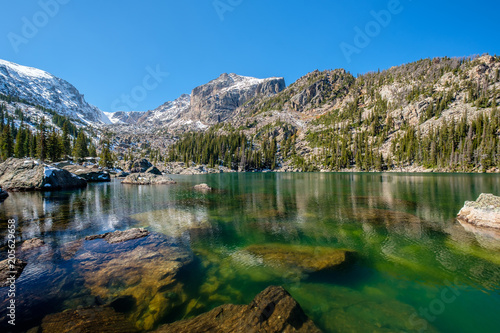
{"x": 10, "y": 268}
{"x": 273, "y": 310}
{"x": 98, "y": 319}
{"x": 138, "y": 277}
{"x": 147, "y": 179}
{"x": 483, "y": 213}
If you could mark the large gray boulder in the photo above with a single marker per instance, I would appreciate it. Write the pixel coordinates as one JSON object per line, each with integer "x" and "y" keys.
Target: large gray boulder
{"x": 140, "y": 166}
{"x": 29, "y": 175}
{"x": 92, "y": 174}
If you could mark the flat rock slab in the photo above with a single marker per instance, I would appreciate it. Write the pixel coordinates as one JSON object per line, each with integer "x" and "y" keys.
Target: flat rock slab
{"x": 120, "y": 236}
{"x": 32, "y": 244}
{"x": 9, "y": 269}
{"x": 482, "y": 213}
{"x": 273, "y": 310}
{"x": 147, "y": 179}
{"x": 97, "y": 319}
{"x": 306, "y": 258}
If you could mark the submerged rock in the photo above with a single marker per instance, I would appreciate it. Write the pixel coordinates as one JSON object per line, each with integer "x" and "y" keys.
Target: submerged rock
{"x": 147, "y": 179}
{"x": 121, "y": 236}
{"x": 32, "y": 244}
{"x": 92, "y": 174}
{"x": 96, "y": 319}
{"x": 305, "y": 258}
{"x": 28, "y": 175}
{"x": 174, "y": 222}
{"x": 9, "y": 269}
{"x": 482, "y": 213}
{"x": 202, "y": 187}
{"x": 137, "y": 277}
{"x": 3, "y": 195}
{"x": 273, "y": 310}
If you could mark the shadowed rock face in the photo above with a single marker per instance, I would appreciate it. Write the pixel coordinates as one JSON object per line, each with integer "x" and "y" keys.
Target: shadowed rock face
{"x": 28, "y": 175}
{"x": 147, "y": 179}
{"x": 89, "y": 174}
{"x": 3, "y": 195}
{"x": 273, "y": 310}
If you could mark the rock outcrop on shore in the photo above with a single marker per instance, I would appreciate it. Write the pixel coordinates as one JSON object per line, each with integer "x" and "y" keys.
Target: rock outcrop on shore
{"x": 147, "y": 179}
{"x": 273, "y": 310}
{"x": 30, "y": 175}
{"x": 91, "y": 175}
{"x": 181, "y": 168}
{"x": 482, "y": 213}
{"x": 136, "y": 166}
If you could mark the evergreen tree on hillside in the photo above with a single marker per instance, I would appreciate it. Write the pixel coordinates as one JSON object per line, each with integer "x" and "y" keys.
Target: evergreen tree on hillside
{"x": 106, "y": 160}
{"x": 41, "y": 142}
{"x": 80, "y": 151}
{"x": 66, "y": 141}
{"x": 7, "y": 143}
{"x": 54, "y": 146}
{"x": 20, "y": 146}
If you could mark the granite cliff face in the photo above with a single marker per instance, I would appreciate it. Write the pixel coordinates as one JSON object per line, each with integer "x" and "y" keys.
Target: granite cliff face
{"x": 215, "y": 101}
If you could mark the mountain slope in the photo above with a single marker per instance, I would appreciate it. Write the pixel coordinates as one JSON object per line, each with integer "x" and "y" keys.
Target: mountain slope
{"x": 41, "y": 88}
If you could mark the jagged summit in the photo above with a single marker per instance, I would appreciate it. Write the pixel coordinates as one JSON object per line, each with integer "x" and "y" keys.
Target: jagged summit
{"x": 42, "y": 88}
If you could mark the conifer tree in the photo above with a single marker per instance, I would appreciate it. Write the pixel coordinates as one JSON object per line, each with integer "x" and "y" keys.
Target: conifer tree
{"x": 41, "y": 144}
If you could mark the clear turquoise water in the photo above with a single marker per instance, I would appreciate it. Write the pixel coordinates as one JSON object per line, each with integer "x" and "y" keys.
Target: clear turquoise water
{"x": 417, "y": 269}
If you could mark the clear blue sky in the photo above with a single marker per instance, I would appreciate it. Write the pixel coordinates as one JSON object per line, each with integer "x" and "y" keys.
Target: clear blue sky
{"x": 103, "y": 47}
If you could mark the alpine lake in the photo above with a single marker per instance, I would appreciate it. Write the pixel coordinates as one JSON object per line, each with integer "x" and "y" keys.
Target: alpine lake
{"x": 414, "y": 267}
